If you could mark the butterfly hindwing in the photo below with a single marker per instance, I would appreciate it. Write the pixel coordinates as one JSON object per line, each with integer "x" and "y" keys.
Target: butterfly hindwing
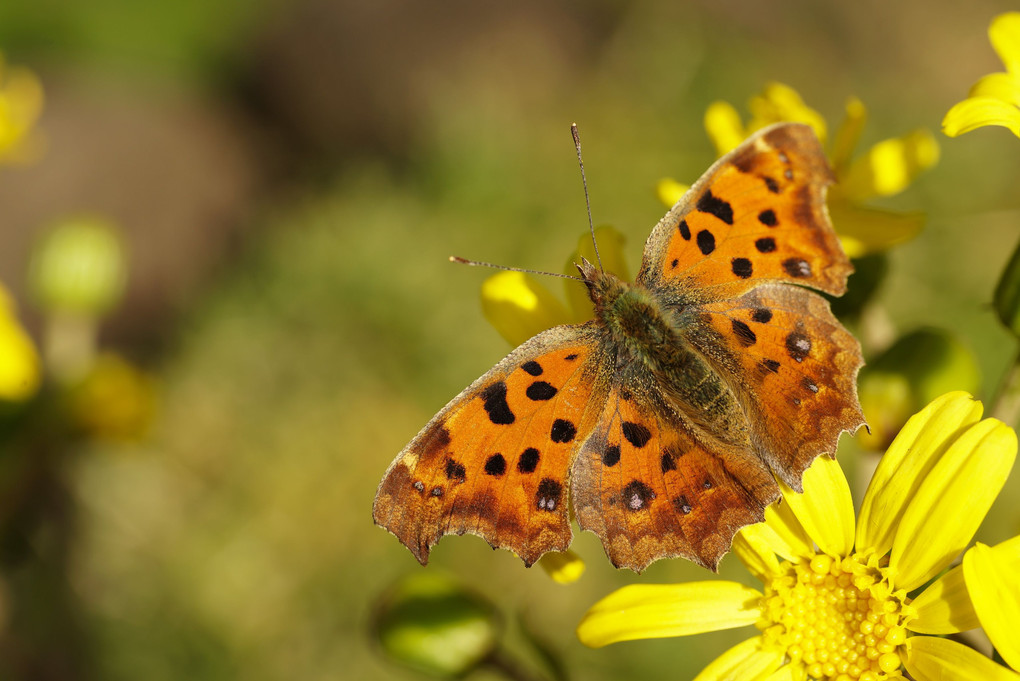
{"x": 494, "y": 461}
{"x": 757, "y": 215}
{"x": 793, "y": 368}
{"x": 652, "y": 485}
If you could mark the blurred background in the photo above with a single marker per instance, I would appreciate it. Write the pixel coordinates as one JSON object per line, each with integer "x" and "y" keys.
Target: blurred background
{"x": 269, "y": 190}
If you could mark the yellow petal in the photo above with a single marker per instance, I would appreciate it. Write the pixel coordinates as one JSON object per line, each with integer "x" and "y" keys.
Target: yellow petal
{"x": 20, "y": 371}
{"x": 977, "y": 112}
{"x": 1004, "y": 34}
{"x": 724, "y": 128}
{"x": 863, "y": 231}
{"x": 754, "y": 547}
{"x": 1004, "y": 86}
{"x": 991, "y": 576}
{"x": 611, "y": 243}
{"x": 744, "y": 661}
{"x": 934, "y": 530}
{"x": 825, "y": 509}
{"x": 936, "y": 659}
{"x": 565, "y": 567}
{"x": 660, "y": 610}
{"x": 780, "y": 102}
{"x": 789, "y": 539}
{"x": 944, "y": 607}
{"x": 670, "y": 191}
{"x": 910, "y": 458}
{"x": 889, "y": 166}
{"x": 789, "y": 672}
{"x": 519, "y": 307}
{"x": 848, "y": 133}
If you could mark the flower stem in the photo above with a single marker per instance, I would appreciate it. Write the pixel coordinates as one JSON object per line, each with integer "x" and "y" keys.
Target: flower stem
{"x": 1006, "y": 406}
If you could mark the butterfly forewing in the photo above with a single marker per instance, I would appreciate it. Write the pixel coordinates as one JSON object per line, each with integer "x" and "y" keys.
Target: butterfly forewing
{"x": 494, "y": 461}
{"x": 757, "y": 215}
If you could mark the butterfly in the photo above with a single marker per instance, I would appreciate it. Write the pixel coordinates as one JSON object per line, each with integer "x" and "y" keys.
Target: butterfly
{"x": 667, "y": 419}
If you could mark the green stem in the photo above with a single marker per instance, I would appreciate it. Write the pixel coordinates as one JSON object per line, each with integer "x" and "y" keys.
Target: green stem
{"x": 503, "y": 664}
{"x": 1006, "y": 406}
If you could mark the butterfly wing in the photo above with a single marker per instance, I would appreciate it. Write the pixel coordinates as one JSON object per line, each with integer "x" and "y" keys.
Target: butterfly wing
{"x": 757, "y": 215}
{"x": 494, "y": 461}
{"x": 792, "y": 367}
{"x": 653, "y": 485}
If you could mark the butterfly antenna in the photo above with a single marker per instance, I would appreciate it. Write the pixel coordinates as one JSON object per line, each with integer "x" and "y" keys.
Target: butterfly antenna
{"x": 478, "y": 263}
{"x": 584, "y": 183}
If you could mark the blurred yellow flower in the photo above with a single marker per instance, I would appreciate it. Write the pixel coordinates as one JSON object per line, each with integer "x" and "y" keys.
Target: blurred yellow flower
{"x": 885, "y": 169}
{"x": 20, "y": 372}
{"x": 21, "y": 100}
{"x": 995, "y": 98}
{"x": 115, "y": 401}
{"x": 835, "y": 601}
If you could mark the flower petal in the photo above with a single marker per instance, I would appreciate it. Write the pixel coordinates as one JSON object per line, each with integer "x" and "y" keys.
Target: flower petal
{"x": 911, "y": 456}
{"x": 565, "y": 567}
{"x": 991, "y": 576}
{"x": 1004, "y": 86}
{"x": 848, "y": 133}
{"x": 611, "y": 242}
{"x": 863, "y": 231}
{"x": 724, "y": 128}
{"x": 977, "y": 112}
{"x": 939, "y": 658}
{"x": 661, "y": 610}
{"x": 1004, "y": 34}
{"x": 944, "y": 607}
{"x": 20, "y": 372}
{"x": 746, "y": 660}
{"x": 952, "y": 501}
{"x": 519, "y": 307}
{"x": 789, "y": 538}
{"x": 780, "y": 102}
{"x": 789, "y": 672}
{"x": 670, "y": 191}
{"x": 825, "y": 509}
{"x": 754, "y": 546}
{"x": 889, "y": 166}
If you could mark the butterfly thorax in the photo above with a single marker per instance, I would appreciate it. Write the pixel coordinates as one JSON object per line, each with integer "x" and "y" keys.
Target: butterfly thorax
{"x": 651, "y": 350}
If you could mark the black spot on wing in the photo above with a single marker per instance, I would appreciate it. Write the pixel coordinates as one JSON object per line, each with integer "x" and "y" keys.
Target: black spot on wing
{"x": 455, "y": 470}
{"x": 768, "y": 366}
{"x": 713, "y": 205}
{"x": 547, "y": 497}
{"x": 797, "y": 267}
{"x": 495, "y": 465}
{"x": 706, "y": 242}
{"x": 772, "y": 185}
{"x": 762, "y": 315}
{"x": 681, "y": 504}
{"x": 637, "y": 495}
{"x": 636, "y": 434}
{"x": 540, "y": 391}
{"x": 685, "y": 231}
{"x": 744, "y": 334}
{"x": 528, "y": 461}
{"x": 798, "y": 346}
{"x": 611, "y": 455}
{"x": 533, "y": 368}
{"x": 768, "y": 218}
{"x": 742, "y": 267}
{"x": 496, "y": 405}
{"x": 765, "y": 244}
{"x": 562, "y": 431}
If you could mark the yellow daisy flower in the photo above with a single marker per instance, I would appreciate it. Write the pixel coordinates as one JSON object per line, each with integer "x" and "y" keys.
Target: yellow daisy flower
{"x": 835, "y": 602}
{"x": 21, "y": 100}
{"x": 995, "y": 99}
{"x": 991, "y": 577}
{"x": 887, "y": 168}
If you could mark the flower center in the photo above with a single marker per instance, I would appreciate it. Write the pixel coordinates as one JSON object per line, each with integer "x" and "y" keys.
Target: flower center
{"x": 839, "y": 618}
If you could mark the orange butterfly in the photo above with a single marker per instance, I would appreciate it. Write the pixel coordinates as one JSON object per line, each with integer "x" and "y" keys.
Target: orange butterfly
{"x": 667, "y": 418}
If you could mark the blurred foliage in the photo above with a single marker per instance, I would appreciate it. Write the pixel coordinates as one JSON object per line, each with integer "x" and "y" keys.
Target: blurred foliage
{"x": 235, "y": 539}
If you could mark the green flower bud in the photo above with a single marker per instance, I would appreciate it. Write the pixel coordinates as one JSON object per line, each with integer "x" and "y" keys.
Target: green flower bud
{"x": 79, "y": 267}
{"x": 435, "y": 626}
{"x": 918, "y": 367}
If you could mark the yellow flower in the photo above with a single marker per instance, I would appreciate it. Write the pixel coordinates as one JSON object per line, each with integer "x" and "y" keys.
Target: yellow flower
{"x": 995, "y": 99}
{"x": 20, "y": 372}
{"x": 991, "y": 577}
{"x": 885, "y": 169}
{"x": 21, "y": 100}
{"x": 835, "y": 602}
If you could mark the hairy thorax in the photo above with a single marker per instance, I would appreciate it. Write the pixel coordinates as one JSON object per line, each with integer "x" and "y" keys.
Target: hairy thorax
{"x": 651, "y": 349}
